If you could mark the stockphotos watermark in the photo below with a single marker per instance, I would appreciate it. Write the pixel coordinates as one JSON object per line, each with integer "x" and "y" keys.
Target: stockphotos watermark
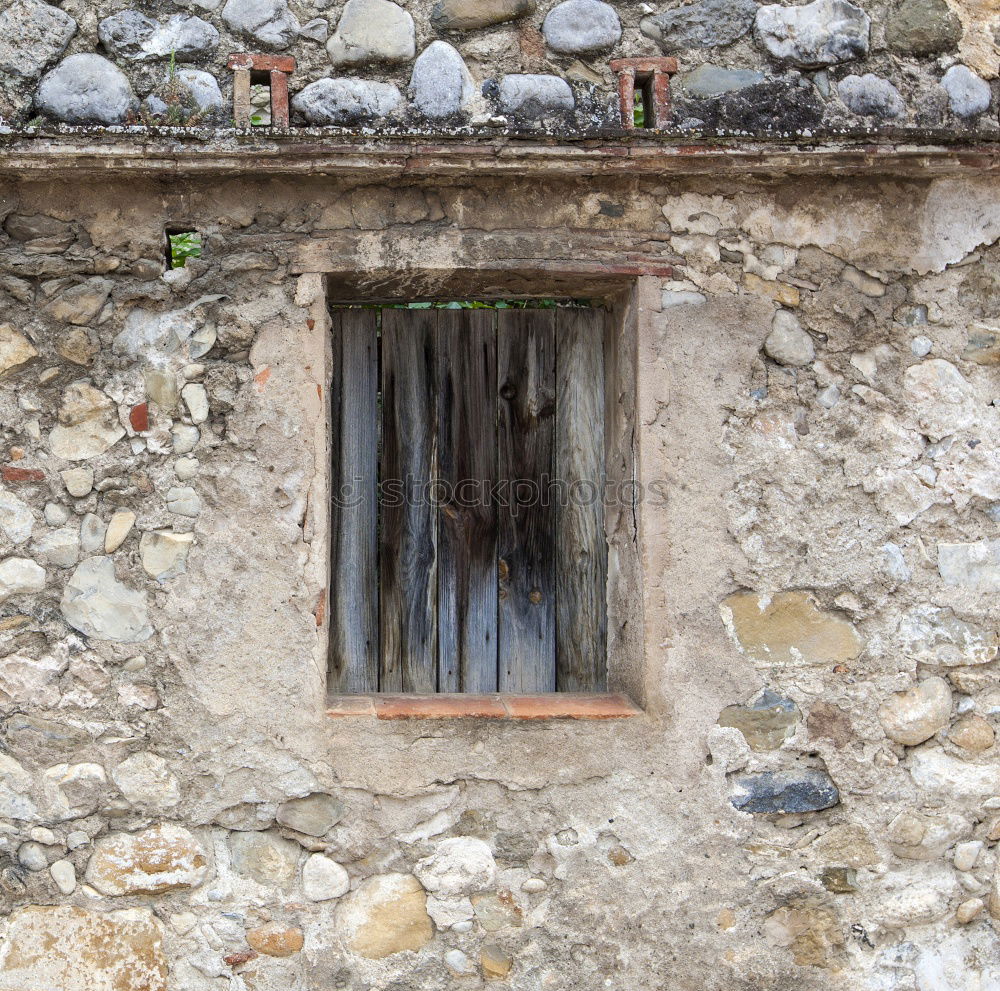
{"x": 507, "y": 494}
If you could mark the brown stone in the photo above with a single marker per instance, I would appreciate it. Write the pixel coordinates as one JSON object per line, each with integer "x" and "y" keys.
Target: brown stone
{"x": 75, "y": 345}
{"x": 495, "y": 961}
{"x": 15, "y": 349}
{"x": 848, "y": 845}
{"x": 64, "y": 947}
{"x": 765, "y": 723}
{"x": 467, "y": 15}
{"x": 972, "y": 733}
{"x": 789, "y": 628}
{"x": 812, "y": 932}
{"x": 162, "y": 858}
{"x": 275, "y": 940}
{"x": 386, "y": 914}
{"x": 828, "y": 722}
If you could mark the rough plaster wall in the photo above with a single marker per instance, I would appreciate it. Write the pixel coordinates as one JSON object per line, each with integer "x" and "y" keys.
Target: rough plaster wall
{"x": 562, "y": 854}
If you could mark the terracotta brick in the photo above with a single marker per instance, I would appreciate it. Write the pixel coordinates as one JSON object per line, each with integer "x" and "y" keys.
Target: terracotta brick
{"x": 261, "y": 63}
{"x": 12, "y": 474}
{"x": 439, "y": 707}
{"x": 350, "y": 705}
{"x": 139, "y": 418}
{"x": 570, "y": 706}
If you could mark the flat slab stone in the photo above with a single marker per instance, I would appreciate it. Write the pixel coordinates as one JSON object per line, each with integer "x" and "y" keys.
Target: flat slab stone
{"x": 700, "y": 25}
{"x": 61, "y": 946}
{"x": 467, "y": 15}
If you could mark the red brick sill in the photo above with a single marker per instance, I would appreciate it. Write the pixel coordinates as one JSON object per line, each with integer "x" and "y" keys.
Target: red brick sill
{"x": 558, "y": 705}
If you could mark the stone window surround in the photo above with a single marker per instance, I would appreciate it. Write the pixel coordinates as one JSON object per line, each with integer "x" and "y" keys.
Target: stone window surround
{"x": 624, "y": 652}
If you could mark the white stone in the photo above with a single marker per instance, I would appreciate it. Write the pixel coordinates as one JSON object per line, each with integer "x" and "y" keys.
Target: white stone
{"x": 60, "y": 548}
{"x": 458, "y": 962}
{"x": 118, "y": 529}
{"x": 975, "y": 566}
{"x": 55, "y": 514}
{"x": 31, "y": 681}
{"x": 186, "y": 468}
{"x": 164, "y": 554}
{"x": 203, "y": 87}
{"x": 323, "y": 879}
{"x": 812, "y": 35}
{"x": 88, "y": 424}
{"x": 918, "y": 902}
{"x": 577, "y": 26}
{"x": 372, "y": 31}
{"x": 441, "y": 85}
{"x": 941, "y": 398}
{"x": 15, "y": 348}
{"x": 863, "y": 282}
{"x": 183, "y": 500}
{"x": 64, "y": 875}
{"x": 98, "y": 605}
{"x": 934, "y": 636}
{"x": 267, "y": 21}
{"x": 913, "y": 716}
{"x": 32, "y": 856}
{"x": 76, "y": 839}
{"x": 43, "y": 835}
{"x": 86, "y": 89}
{"x": 534, "y": 96}
{"x": 145, "y": 779}
{"x": 966, "y": 854}
{"x": 346, "y": 101}
{"x": 949, "y": 777}
{"x": 921, "y": 346}
{"x": 788, "y": 344}
{"x": 16, "y": 519}
{"x": 968, "y": 95}
{"x": 184, "y": 438}
{"x": 20, "y": 576}
{"x": 729, "y": 749}
{"x": 92, "y": 533}
{"x": 74, "y": 790}
{"x": 78, "y": 481}
{"x": 196, "y": 400}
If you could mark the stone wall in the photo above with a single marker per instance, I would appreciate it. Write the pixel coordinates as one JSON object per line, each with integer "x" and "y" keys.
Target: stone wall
{"x": 495, "y": 66}
{"x": 812, "y": 797}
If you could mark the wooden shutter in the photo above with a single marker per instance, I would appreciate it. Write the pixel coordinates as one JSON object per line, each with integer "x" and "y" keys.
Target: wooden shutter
{"x": 484, "y": 432}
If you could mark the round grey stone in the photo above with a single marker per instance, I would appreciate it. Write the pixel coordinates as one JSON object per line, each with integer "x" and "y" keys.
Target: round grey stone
{"x": 203, "y": 86}
{"x": 32, "y": 34}
{"x": 372, "y": 31}
{"x": 923, "y": 27}
{"x": 700, "y": 25}
{"x": 268, "y": 21}
{"x": 534, "y": 97}
{"x": 968, "y": 95}
{"x": 871, "y": 96}
{"x": 577, "y": 26}
{"x": 86, "y": 89}
{"x": 441, "y": 85}
{"x": 346, "y": 101}
{"x": 123, "y": 34}
{"x": 824, "y": 32}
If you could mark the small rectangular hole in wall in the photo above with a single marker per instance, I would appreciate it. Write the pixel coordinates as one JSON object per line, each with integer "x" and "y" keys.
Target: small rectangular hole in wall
{"x": 260, "y": 99}
{"x": 182, "y": 245}
{"x": 644, "y": 113}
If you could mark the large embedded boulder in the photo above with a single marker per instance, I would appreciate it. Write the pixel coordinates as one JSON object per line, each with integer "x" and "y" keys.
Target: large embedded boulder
{"x": 372, "y": 31}
{"x": 824, "y": 32}
{"x": 346, "y": 101}
{"x": 86, "y": 89}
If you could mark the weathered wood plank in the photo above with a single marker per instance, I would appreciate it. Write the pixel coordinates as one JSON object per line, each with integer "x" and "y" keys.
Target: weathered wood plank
{"x": 467, "y": 521}
{"x": 581, "y": 547}
{"x": 526, "y": 544}
{"x": 408, "y": 544}
{"x": 354, "y": 559}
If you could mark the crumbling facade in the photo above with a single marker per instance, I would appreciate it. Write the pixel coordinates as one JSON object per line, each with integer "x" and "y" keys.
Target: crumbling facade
{"x": 795, "y": 782}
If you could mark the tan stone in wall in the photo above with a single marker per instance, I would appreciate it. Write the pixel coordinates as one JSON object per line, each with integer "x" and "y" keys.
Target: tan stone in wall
{"x": 386, "y": 915}
{"x": 66, "y": 947}
{"x": 789, "y": 628}
{"x": 162, "y": 858}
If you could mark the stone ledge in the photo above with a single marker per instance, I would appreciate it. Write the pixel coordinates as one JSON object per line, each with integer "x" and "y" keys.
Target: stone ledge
{"x": 80, "y": 152}
{"x": 555, "y": 705}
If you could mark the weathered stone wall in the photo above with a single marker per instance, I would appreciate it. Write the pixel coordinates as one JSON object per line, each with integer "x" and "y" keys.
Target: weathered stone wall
{"x": 501, "y": 65}
{"x": 812, "y": 799}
